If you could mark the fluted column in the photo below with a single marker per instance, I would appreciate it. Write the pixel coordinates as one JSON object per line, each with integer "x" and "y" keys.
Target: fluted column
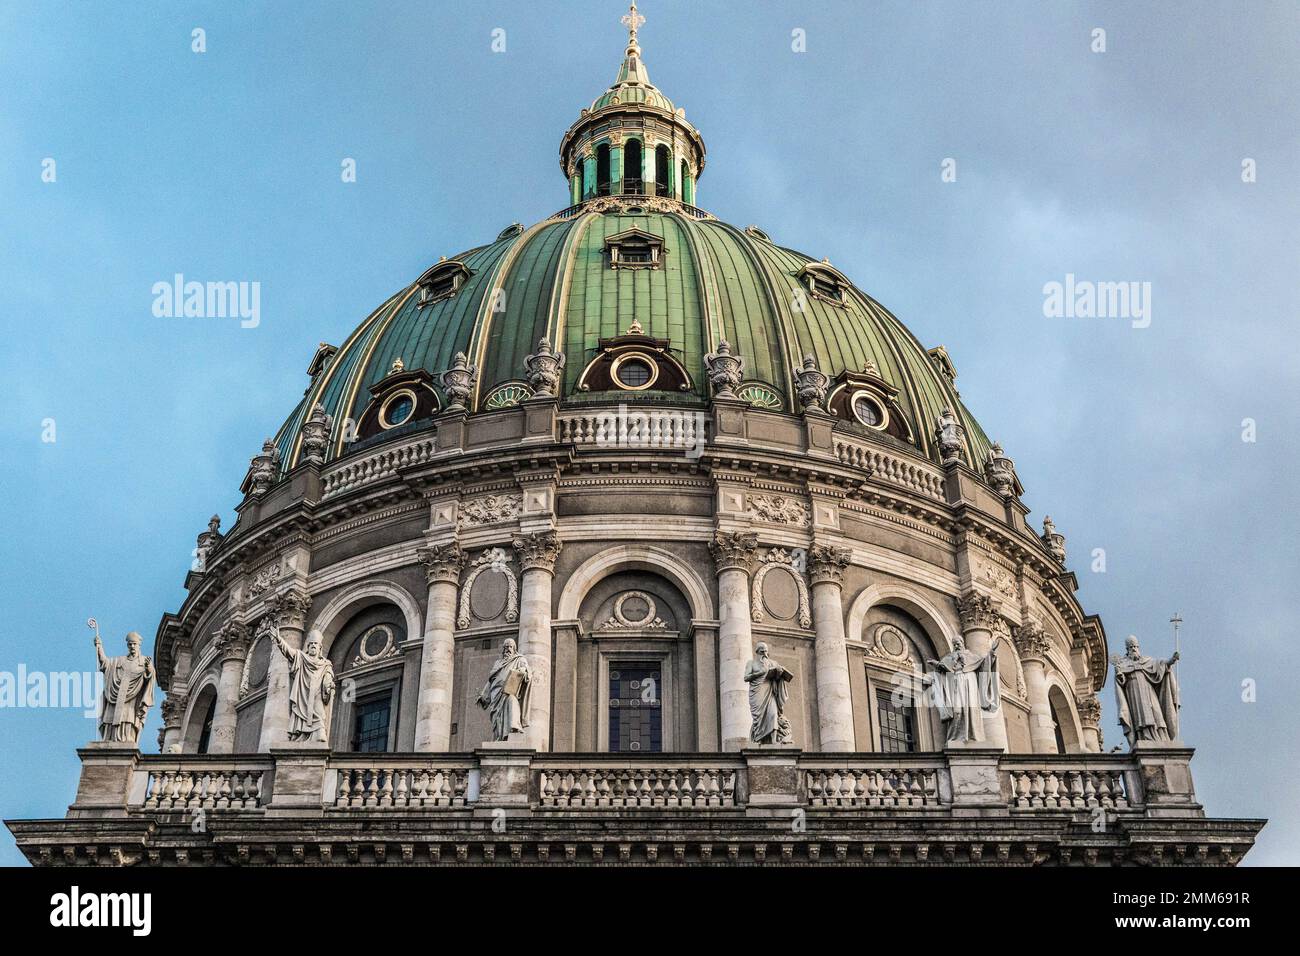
{"x": 442, "y": 567}
{"x": 834, "y": 699}
{"x": 537, "y": 554}
{"x": 733, "y": 555}
{"x": 979, "y": 619}
{"x": 232, "y": 647}
{"x": 288, "y": 613}
{"x": 1032, "y": 644}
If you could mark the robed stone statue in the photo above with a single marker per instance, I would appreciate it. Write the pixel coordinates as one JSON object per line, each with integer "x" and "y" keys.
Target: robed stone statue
{"x": 506, "y": 693}
{"x": 1146, "y": 691}
{"x": 768, "y": 691}
{"x": 128, "y": 691}
{"x": 311, "y": 687}
{"x": 964, "y": 686}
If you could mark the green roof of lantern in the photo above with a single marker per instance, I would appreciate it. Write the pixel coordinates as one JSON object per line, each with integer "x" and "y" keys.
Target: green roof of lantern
{"x": 715, "y": 282}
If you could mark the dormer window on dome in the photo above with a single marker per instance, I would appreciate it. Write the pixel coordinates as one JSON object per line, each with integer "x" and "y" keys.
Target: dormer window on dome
{"x": 442, "y": 281}
{"x": 401, "y": 397}
{"x": 865, "y": 400}
{"x": 635, "y": 249}
{"x": 824, "y": 282}
{"x": 634, "y": 362}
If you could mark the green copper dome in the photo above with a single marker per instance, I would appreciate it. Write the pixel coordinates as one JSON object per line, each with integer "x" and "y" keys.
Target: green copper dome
{"x": 633, "y": 266}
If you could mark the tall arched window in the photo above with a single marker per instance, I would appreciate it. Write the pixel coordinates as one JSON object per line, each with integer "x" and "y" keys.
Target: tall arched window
{"x": 205, "y": 730}
{"x": 632, "y": 168}
{"x": 663, "y": 171}
{"x": 688, "y": 193}
{"x": 580, "y": 182}
{"x": 602, "y": 169}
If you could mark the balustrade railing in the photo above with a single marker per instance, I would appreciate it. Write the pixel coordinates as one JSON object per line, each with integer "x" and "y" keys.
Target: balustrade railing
{"x": 366, "y": 786}
{"x": 204, "y": 787}
{"x": 886, "y": 785}
{"x": 1056, "y": 787}
{"x": 891, "y": 468}
{"x": 381, "y": 464}
{"x": 630, "y": 427}
{"x": 576, "y": 786}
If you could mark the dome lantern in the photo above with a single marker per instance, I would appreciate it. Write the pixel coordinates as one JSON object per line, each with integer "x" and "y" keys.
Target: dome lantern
{"x": 632, "y": 141}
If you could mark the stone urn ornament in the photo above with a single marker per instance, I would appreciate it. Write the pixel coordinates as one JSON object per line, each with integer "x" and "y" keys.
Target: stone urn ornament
{"x": 542, "y": 369}
{"x": 264, "y": 468}
{"x": 950, "y": 437}
{"x": 316, "y": 433}
{"x": 725, "y": 370}
{"x": 1000, "y": 471}
{"x": 458, "y": 381}
{"x": 811, "y": 383}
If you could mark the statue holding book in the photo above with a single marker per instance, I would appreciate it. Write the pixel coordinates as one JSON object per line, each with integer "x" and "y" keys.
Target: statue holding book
{"x": 769, "y": 689}
{"x": 505, "y": 695}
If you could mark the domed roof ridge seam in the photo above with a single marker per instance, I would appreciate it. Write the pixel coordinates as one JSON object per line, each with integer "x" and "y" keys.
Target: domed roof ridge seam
{"x": 708, "y": 293}
{"x": 556, "y": 329}
{"x": 477, "y": 346}
{"x": 780, "y": 316}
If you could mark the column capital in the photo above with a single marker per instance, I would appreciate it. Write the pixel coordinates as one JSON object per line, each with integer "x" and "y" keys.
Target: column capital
{"x": 232, "y": 641}
{"x": 538, "y": 550}
{"x": 289, "y": 608}
{"x": 979, "y": 611}
{"x": 1089, "y": 711}
{"x": 734, "y": 550}
{"x": 826, "y": 563}
{"x": 1032, "y": 642}
{"x": 442, "y": 562}
{"x": 173, "y": 709}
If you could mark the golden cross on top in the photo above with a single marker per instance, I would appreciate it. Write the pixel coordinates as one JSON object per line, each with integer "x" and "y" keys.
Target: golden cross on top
{"x": 632, "y": 20}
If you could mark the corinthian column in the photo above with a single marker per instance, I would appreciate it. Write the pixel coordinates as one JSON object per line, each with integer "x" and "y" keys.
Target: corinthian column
{"x": 232, "y": 648}
{"x": 1032, "y": 644}
{"x": 1090, "y": 718}
{"x": 288, "y": 611}
{"x": 442, "y": 567}
{"x": 979, "y": 619}
{"x": 537, "y": 554}
{"x": 834, "y": 701}
{"x": 733, "y": 554}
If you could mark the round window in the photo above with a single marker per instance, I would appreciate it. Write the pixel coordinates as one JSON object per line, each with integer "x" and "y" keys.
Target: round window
{"x": 397, "y": 410}
{"x": 634, "y": 373}
{"x": 868, "y": 411}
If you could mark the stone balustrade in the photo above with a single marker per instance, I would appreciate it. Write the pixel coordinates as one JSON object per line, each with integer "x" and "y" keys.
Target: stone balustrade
{"x": 384, "y": 463}
{"x": 891, "y": 786}
{"x": 630, "y": 426}
{"x": 895, "y": 783}
{"x": 225, "y": 786}
{"x": 412, "y": 785}
{"x": 891, "y": 468}
{"x": 576, "y": 786}
{"x": 1067, "y": 786}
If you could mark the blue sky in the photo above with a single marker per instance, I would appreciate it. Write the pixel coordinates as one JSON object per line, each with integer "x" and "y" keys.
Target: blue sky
{"x": 1117, "y": 166}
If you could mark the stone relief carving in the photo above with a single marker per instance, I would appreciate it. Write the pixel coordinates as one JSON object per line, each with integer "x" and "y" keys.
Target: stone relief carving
{"x": 265, "y": 579}
{"x": 778, "y": 509}
{"x": 620, "y": 619}
{"x": 999, "y": 579}
{"x": 493, "y": 559}
{"x": 490, "y": 509}
{"x": 368, "y": 653}
{"x": 887, "y": 642}
{"x": 779, "y": 558}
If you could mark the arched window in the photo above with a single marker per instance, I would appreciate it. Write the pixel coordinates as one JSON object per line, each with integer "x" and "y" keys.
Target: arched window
{"x": 366, "y": 654}
{"x": 205, "y": 729}
{"x": 894, "y": 648}
{"x": 687, "y": 187}
{"x": 632, "y": 168}
{"x": 602, "y": 169}
{"x": 663, "y": 171}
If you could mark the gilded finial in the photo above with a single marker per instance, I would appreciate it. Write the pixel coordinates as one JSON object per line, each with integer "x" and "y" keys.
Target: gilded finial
{"x": 398, "y": 365}
{"x": 632, "y": 20}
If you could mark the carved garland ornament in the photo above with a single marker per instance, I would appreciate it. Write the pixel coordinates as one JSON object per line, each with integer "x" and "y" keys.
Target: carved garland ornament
{"x": 388, "y": 649}
{"x": 621, "y": 620}
{"x": 490, "y": 509}
{"x": 889, "y": 643}
{"x": 264, "y": 579}
{"x": 778, "y": 509}
{"x": 779, "y": 558}
{"x": 493, "y": 559}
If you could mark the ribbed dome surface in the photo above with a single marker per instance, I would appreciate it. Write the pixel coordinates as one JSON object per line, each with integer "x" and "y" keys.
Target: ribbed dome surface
{"x": 715, "y": 282}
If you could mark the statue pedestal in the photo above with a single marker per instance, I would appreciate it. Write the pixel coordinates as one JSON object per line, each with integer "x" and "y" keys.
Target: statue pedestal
{"x": 976, "y": 785}
{"x": 107, "y": 772}
{"x": 773, "y": 778}
{"x": 1165, "y": 771}
{"x": 505, "y": 776}
{"x": 300, "y": 785}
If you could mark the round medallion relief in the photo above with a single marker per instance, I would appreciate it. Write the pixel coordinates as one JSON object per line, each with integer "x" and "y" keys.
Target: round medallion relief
{"x": 781, "y": 594}
{"x": 375, "y": 643}
{"x": 487, "y": 597}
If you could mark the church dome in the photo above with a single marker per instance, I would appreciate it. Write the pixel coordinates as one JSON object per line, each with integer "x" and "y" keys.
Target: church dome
{"x": 631, "y": 267}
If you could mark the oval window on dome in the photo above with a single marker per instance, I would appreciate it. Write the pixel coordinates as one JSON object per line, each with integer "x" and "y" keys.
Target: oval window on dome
{"x": 635, "y": 371}
{"x": 868, "y": 411}
{"x": 398, "y": 409}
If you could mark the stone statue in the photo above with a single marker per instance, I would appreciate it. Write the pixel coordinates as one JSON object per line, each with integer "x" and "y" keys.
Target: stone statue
{"x": 964, "y": 685}
{"x": 506, "y": 693}
{"x": 1146, "y": 690}
{"x": 128, "y": 691}
{"x": 768, "y": 692}
{"x": 950, "y": 435}
{"x": 311, "y": 686}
